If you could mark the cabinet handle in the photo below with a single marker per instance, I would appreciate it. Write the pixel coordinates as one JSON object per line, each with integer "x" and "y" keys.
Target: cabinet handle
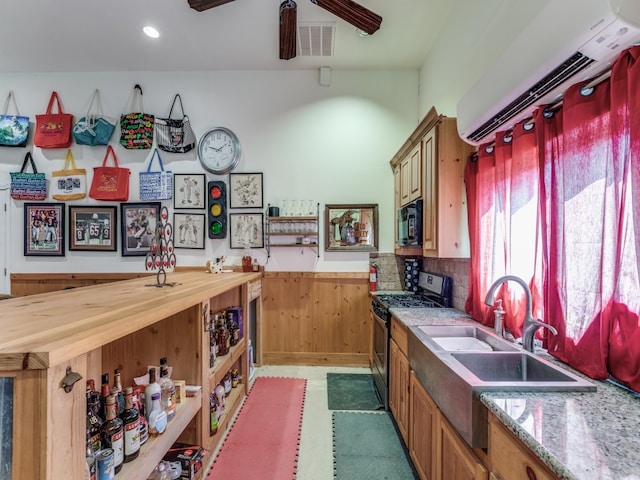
{"x": 531, "y": 475}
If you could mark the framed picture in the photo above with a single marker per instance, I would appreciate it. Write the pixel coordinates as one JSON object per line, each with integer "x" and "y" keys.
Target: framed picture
{"x": 189, "y": 190}
{"x": 93, "y": 228}
{"x": 138, "y": 227}
{"x": 188, "y": 230}
{"x": 44, "y": 229}
{"x": 246, "y": 230}
{"x": 245, "y": 190}
{"x": 351, "y": 227}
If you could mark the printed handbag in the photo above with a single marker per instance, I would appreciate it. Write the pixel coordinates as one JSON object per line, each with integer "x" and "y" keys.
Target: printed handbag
{"x": 156, "y": 185}
{"x": 110, "y": 183}
{"x": 53, "y": 130}
{"x": 14, "y": 129}
{"x": 94, "y": 128}
{"x": 70, "y": 183}
{"x": 175, "y": 135}
{"x": 136, "y": 127}
{"x": 28, "y": 186}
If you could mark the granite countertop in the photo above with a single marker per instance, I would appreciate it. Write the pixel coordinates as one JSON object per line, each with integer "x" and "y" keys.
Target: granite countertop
{"x": 578, "y": 435}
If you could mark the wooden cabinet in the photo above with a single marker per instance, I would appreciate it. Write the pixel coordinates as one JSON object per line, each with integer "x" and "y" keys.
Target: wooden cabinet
{"x": 399, "y": 389}
{"x": 437, "y": 155}
{"x": 423, "y": 434}
{"x": 437, "y": 451}
{"x": 126, "y": 325}
{"x": 456, "y": 460}
{"x": 509, "y": 458}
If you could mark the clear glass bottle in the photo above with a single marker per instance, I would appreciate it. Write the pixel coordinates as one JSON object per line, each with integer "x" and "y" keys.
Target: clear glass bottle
{"x": 131, "y": 419}
{"x": 157, "y": 416}
{"x": 113, "y": 433}
{"x": 246, "y": 260}
{"x": 167, "y": 390}
{"x": 149, "y": 390}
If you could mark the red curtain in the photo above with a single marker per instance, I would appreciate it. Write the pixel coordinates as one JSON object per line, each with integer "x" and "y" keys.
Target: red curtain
{"x": 580, "y": 248}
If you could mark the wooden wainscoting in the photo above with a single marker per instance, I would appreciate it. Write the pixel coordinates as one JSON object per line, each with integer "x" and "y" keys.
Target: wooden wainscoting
{"x": 32, "y": 283}
{"x": 315, "y": 319}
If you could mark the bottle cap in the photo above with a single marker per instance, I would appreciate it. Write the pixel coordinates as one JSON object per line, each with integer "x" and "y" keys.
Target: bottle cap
{"x": 155, "y": 396}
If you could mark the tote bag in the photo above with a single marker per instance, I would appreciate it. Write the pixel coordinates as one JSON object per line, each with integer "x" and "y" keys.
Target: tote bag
{"x": 156, "y": 185}
{"x": 14, "y": 129}
{"x": 175, "y": 135}
{"x": 28, "y": 186}
{"x": 94, "y": 128}
{"x": 136, "y": 127}
{"x": 110, "y": 183}
{"x": 70, "y": 183}
{"x": 53, "y": 130}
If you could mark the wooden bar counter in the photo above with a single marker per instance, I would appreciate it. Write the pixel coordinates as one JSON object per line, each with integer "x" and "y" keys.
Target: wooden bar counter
{"x": 125, "y": 325}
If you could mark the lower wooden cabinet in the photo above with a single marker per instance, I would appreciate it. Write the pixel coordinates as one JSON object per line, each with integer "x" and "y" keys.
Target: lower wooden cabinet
{"x": 422, "y": 438}
{"x": 455, "y": 459}
{"x": 399, "y": 389}
{"x": 510, "y": 458}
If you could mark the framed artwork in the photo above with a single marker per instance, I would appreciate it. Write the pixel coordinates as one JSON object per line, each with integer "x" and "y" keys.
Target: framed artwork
{"x": 138, "y": 226}
{"x": 188, "y": 230}
{"x": 93, "y": 228}
{"x": 44, "y": 229}
{"x": 189, "y": 190}
{"x": 351, "y": 227}
{"x": 245, "y": 190}
{"x": 246, "y": 230}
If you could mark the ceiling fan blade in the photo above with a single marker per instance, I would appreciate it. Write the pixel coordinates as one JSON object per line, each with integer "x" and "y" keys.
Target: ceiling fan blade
{"x": 288, "y": 29}
{"x": 352, "y": 12}
{"x": 202, "y": 5}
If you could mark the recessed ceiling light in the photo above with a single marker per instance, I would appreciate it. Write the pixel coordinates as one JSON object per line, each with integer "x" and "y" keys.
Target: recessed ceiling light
{"x": 151, "y": 32}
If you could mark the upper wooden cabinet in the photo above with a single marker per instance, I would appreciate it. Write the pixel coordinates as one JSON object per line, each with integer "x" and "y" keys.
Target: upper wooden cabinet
{"x": 430, "y": 165}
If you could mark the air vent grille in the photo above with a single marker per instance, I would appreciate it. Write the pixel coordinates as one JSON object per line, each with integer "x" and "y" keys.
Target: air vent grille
{"x": 567, "y": 69}
{"x": 316, "y": 39}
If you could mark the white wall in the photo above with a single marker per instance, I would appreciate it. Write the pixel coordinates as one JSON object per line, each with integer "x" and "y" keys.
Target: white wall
{"x": 473, "y": 36}
{"x": 330, "y": 144}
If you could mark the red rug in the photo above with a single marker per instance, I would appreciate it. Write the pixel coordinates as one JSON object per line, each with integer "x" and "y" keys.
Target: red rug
{"x": 264, "y": 439}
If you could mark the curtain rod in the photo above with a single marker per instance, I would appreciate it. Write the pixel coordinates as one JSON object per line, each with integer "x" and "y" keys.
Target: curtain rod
{"x": 585, "y": 90}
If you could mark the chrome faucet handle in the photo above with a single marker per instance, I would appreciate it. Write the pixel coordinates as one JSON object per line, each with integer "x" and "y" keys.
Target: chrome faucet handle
{"x": 530, "y": 328}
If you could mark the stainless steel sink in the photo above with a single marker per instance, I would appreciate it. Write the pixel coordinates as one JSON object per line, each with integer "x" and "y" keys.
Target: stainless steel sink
{"x": 454, "y": 377}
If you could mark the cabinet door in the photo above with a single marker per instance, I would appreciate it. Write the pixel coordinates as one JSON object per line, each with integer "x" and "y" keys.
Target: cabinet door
{"x": 394, "y": 379}
{"x": 456, "y": 460}
{"x": 423, "y": 415}
{"x": 403, "y": 397}
{"x": 415, "y": 176}
{"x": 405, "y": 181}
{"x": 430, "y": 206}
{"x": 397, "y": 201}
{"x": 511, "y": 459}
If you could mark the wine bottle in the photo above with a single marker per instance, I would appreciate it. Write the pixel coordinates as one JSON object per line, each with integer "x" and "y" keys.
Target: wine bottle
{"x": 131, "y": 420}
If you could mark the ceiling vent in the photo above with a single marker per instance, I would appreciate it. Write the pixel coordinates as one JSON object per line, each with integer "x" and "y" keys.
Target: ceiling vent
{"x": 316, "y": 39}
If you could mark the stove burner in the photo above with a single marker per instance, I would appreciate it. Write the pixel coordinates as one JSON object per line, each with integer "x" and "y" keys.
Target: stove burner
{"x": 407, "y": 301}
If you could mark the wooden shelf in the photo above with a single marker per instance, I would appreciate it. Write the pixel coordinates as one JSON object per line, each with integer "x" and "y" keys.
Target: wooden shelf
{"x": 157, "y": 446}
{"x": 292, "y": 219}
{"x": 273, "y": 245}
{"x": 315, "y": 219}
{"x": 223, "y": 364}
{"x": 284, "y": 234}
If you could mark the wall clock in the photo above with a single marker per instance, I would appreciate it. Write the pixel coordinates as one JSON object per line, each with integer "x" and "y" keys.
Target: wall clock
{"x": 219, "y": 150}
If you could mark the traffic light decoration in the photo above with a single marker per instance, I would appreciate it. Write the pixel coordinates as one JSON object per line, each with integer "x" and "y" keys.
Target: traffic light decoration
{"x": 217, "y": 209}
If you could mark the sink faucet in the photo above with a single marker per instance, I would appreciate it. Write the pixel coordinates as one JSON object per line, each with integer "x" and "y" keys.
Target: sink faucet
{"x": 531, "y": 324}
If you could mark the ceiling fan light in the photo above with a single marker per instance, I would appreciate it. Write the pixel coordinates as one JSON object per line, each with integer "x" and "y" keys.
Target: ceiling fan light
{"x": 353, "y": 13}
{"x": 288, "y": 29}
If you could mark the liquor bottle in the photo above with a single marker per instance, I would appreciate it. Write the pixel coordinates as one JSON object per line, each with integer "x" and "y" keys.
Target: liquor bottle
{"x": 131, "y": 419}
{"x": 157, "y": 416}
{"x": 105, "y": 391}
{"x": 212, "y": 343}
{"x": 118, "y": 392}
{"x": 91, "y": 461}
{"x": 93, "y": 422}
{"x": 223, "y": 338}
{"x": 246, "y": 260}
{"x": 167, "y": 391}
{"x": 150, "y": 389}
{"x": 113, "y": 433}
{"x": 233, "y": 330}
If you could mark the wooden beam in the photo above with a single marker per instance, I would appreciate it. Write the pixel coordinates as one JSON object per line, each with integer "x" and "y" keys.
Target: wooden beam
{"x": 202, "y": 5}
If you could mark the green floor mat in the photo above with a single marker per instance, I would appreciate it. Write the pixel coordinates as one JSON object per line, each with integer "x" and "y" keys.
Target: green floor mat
{"x": 352, "y": 391}
{"x": 366, "y": 446}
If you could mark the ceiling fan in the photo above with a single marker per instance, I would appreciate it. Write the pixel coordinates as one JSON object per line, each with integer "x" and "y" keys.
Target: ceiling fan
{"x": 348, "y": 10}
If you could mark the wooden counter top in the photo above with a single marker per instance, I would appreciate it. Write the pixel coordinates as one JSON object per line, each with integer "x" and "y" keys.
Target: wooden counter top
{"x": 40, "y": 331}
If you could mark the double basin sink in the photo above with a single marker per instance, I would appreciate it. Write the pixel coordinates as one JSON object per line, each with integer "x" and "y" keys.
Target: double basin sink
{"x": 457, "y": 363}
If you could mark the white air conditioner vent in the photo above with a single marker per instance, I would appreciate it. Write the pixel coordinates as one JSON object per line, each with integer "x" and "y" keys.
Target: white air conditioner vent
{"x": 316, "y": 39}
{"x": 568, "y": 42}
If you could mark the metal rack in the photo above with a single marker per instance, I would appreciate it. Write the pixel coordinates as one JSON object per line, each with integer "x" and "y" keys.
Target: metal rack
{"x": 294, "y": 231}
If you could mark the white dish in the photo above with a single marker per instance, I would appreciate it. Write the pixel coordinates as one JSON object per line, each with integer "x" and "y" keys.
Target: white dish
{"x": 227, "y": 271}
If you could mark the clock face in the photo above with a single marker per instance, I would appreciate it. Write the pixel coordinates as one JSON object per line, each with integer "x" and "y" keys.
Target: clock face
{"x": 219, "y": 150}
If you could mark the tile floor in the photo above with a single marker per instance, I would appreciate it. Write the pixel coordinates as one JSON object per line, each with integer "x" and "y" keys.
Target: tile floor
{"x": 315, "y": 458}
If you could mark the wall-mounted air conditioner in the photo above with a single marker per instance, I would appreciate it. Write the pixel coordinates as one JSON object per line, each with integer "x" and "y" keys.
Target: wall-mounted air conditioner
{"x": 569, "y": 41}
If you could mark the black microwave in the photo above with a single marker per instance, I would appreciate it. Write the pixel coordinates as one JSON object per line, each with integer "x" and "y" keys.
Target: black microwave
{"x": 410, "y": 225}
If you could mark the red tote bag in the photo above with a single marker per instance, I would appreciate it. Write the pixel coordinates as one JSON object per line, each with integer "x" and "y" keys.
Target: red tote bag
{"x": 110, "y": 183}
{"x": 53, "y": 130}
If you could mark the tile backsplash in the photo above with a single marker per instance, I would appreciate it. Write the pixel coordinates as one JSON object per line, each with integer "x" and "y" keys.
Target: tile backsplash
{"x": 391, "y": 270}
